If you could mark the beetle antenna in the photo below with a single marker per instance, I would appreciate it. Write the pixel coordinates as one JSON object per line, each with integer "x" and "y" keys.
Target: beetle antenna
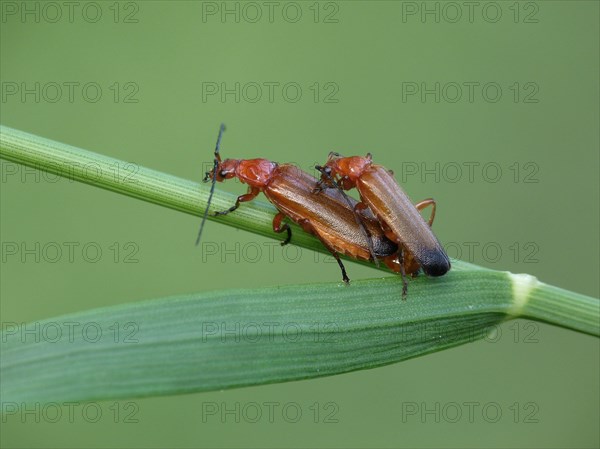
{"x": 217, "y": 161}
{"x": 320, "y": 182}
{"x": 359, "y": 221}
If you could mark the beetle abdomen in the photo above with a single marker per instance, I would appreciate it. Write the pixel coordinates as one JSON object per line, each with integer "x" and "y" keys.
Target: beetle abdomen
{"x": 435, "y": 263}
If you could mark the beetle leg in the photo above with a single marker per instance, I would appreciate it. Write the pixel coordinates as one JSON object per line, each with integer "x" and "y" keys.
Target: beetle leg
{"x": 308, "y": 227}
{"x": 392, "y": 263}
{"x": 345, "y": 183}
{"x": 252, "y": 193}
{"x": 277, "y": 227}
{"x": 403, "y": 274}
{"x": 397, "y": 264}
{"x": 423, "y": 204}
{"x": 326, "y": 181}
{"x": 320, "y": 186}
{"x": 358, "y": 208}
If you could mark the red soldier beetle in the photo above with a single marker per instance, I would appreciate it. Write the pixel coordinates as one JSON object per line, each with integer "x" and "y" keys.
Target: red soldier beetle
{"x": 399, "y": 218}
{"x": 328, "y": 214}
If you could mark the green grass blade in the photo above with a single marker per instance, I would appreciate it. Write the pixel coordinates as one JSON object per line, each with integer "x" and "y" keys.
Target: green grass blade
{"x": 226, "y": 339}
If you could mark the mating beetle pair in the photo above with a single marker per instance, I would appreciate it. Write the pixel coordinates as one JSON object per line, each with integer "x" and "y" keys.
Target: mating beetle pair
{"x": 384, "y": 225}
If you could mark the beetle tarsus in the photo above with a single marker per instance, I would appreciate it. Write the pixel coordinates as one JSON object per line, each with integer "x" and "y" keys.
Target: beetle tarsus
{"x": 403, "y": 275}
{"x": 345, "y": 277}
{"x": 225, "y": 212}
{"x": 289, "y": 234}
{"x": 279, "y": 228}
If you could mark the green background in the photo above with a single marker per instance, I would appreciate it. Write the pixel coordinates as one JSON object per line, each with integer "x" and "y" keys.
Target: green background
{"x": 368, "y": 54}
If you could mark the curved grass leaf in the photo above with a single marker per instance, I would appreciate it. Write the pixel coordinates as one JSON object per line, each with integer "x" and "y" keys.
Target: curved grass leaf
{"x": 228, "y": 339}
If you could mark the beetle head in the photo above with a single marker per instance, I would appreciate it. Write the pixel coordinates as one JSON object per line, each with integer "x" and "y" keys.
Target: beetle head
{"x": 346, "y": 169}
{"x": 222, "y": 170}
